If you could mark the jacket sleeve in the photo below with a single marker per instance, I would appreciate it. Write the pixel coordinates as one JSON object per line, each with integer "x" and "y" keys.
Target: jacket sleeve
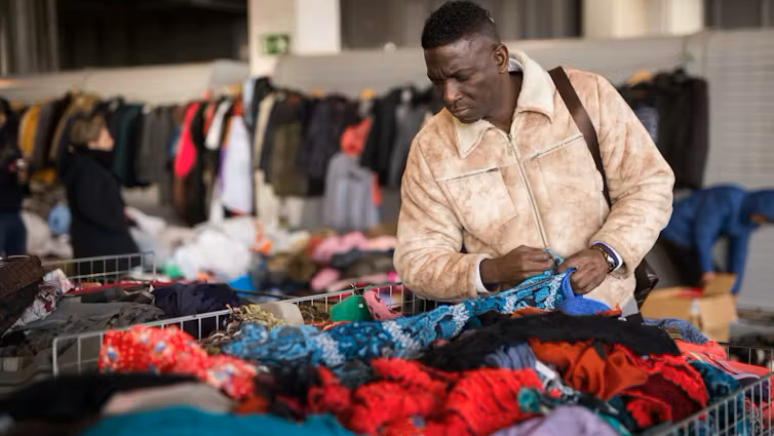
{"x": 639, "y": 179}
{"x": 737, "y": 258}
{"x": 427, "y": 257}
{"x": 709, "y": 221}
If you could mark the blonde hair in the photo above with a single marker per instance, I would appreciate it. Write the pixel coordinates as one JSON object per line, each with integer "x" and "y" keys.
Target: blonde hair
{"x": 85, "y": 130}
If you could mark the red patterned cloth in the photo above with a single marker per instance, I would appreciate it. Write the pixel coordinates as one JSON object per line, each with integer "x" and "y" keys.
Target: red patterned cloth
{"x": 409, "y": 398}
{"x": 170, "y": 350}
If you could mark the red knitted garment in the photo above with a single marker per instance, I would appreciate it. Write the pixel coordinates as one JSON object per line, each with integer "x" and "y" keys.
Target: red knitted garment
{"x": 673, "y": 383}
{"x": 408, "y": 398}
{"x": 144, "y": 348}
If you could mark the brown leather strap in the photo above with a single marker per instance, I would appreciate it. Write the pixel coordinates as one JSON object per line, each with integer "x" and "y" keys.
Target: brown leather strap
{"x": 582, "y": 120}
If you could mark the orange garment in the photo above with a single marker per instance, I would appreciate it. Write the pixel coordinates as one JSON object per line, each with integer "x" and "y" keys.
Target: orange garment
{"x": 526, "y": 310}
{"x": 584, "y": 369}
{"x": 354, "y": 137}
{"x": 27, "y": 130}
{"x": 238, "y": 109}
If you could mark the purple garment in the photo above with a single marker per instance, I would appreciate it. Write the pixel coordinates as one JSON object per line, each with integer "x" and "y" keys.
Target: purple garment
{"x": 563, "y": 421}
{"x": 514, "y": 357}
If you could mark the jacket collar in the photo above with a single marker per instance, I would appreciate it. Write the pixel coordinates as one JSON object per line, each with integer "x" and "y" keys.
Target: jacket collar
{"x": 537, "y": 95}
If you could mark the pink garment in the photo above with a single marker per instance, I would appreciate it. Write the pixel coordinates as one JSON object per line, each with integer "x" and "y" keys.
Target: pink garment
{"x": 382, "y": 243}
{"x": 324, "y": 278}
{"x": 339, "y": 244}
{"x": 343, "y": 284}
{"x": 378, "y": 308}
{"x": 186, "y": 150}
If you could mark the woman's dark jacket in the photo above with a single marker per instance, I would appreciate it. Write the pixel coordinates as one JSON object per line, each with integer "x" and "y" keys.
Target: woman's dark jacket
{"x": 99, "y": 226}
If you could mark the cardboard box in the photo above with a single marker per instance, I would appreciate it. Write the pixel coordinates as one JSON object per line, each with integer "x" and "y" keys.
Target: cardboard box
{"x": 713, "y": 309}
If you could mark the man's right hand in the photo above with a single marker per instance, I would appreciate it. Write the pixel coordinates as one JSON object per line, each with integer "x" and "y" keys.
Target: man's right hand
{"x": 517, "y": 265}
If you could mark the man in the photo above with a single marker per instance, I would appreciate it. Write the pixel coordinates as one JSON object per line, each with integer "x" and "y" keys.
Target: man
{"x": 504, "y": 171}
{"x": 704, "y": 217}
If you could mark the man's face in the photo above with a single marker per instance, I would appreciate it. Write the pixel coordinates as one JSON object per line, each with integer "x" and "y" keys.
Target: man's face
{"x": 466, "y": 72}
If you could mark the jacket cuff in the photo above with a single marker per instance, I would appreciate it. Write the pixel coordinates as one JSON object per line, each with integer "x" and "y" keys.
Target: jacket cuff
{"x": 480, "y": 288}
{"x": 629, "y": 261}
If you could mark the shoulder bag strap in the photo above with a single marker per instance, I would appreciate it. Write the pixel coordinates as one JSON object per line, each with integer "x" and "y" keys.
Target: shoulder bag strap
{"x": 582, "y": 120}
{"x": 644, "y": 274}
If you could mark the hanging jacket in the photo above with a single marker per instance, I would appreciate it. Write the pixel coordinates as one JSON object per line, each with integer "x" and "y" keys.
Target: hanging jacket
{"x": 349, "y": 203}
{"x": 188, "y": 187}
{"x": 683, "y": 127}
{"x": 282, "y": 140}
{"x": 127, "y": 142}
{"x": 378, "y": 149}
{"x": 50, "y": 114}
{"x": 153, "y": 155}
{"x": 535, "y": 185}
{"x": 322, "y": 141}
{"x": 236, "y": 172}
{"x": 27, "y": 129}
{"x": 700, "y": 219}
{"x": 409, "y": 118}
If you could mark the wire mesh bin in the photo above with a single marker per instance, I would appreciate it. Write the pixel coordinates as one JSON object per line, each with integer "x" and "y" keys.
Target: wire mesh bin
{"x": 746, "y": 412}
{"x": 106, "y": 268}
{"x": 80, "y": 352}
{"x": 741, "y": 413}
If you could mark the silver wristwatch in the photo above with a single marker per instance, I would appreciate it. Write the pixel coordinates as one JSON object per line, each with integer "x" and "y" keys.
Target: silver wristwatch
{"x": 611, "y": 264}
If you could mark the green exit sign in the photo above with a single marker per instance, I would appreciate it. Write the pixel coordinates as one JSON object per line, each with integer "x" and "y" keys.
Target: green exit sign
{"x": 276, "y": 44}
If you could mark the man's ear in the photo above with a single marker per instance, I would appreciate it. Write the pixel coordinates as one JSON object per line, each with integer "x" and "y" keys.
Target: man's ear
{"x": 501, "y": 58}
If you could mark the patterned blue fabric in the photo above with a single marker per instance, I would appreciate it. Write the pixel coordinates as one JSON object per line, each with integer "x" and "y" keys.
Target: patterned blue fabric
{"x": 675, "y": 326}
{"x": 401, "y": 337}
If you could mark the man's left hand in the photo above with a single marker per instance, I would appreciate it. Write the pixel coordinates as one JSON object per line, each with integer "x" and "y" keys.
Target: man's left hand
{"x": 591, "y": 268}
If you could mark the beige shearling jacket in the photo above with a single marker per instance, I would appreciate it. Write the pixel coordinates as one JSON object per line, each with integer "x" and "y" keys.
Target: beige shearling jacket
{"x": 536, "y": 185}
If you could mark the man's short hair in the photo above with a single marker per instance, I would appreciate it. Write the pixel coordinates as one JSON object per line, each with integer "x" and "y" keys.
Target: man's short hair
{"x": 456, "y": 20}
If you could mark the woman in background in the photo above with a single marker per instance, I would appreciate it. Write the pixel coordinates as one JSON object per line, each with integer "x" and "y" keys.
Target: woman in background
{"x": 13, "y": 186}
{"x": 99, "y": 226}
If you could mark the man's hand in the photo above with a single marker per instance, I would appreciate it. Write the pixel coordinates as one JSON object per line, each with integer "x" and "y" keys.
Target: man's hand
{"x": 514, "y": 267}
{"x": 591, "y": 268}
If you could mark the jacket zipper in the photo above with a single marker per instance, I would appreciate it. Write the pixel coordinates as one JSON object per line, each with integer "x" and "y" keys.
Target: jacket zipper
{"x": 513, "y": 152}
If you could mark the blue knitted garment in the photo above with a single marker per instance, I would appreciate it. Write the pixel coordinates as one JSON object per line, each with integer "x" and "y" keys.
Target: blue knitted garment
{"x": 731, "y": 415}
{"x": 402, "y": 337}
{"x": 679, "y": 329}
